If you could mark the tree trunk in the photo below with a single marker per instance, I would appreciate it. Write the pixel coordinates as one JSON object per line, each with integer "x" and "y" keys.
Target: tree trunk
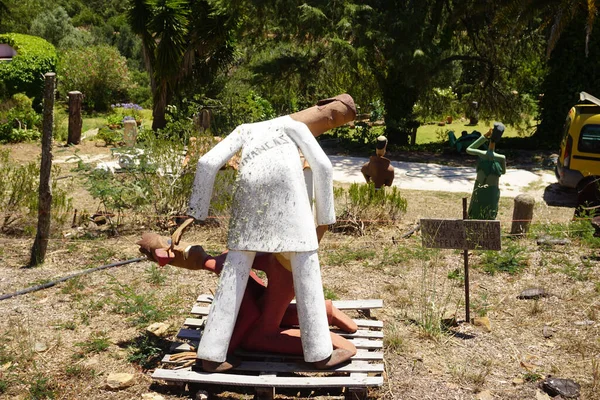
{"x": 75, "y": 121}
{"x": 38, "y": 251}
{"x": 159, "y": 120}
{"x": 399, "y": 100}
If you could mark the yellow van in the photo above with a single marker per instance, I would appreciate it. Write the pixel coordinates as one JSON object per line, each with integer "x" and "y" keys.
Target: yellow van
{"x": 579, "y": 159}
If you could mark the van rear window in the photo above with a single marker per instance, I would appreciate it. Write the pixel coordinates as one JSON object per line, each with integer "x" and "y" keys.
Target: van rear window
{"x": 589, "y": 139}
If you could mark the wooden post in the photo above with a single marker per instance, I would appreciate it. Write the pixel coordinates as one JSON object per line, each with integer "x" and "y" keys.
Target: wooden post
{"x": 466, "y": 265}
{"x": 75, "y": 121}
{"x": 522, "y": 214}
{"x": 38, "y": 251}
{"x": 129, "y": 133}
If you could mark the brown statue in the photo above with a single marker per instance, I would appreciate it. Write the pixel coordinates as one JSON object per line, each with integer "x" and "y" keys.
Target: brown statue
{"x": 379, "y": 169}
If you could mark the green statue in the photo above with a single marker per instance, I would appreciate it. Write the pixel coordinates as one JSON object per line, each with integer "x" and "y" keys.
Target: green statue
{"x": 486, "y": 193}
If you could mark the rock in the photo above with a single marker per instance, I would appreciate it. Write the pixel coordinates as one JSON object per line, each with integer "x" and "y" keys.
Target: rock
{"x": 547, "y": 332}
{"x": 518, "y": 381}
{"x": 533, "y": 294}
{"x": 484, "y": 395}
{"x": 566, "y": 388}
{"x": 159, "y": 329}
{"x": 483, "y": 322}
{"x": 539, "y": 395}
{"x": 584, "y": 323}
{"x": 120, "y": 380}
{"x": 201, "y": 395}
{"x": 40, "y": 347}
{"x": 152, "y": 396}
{"x": 549, "y": 240}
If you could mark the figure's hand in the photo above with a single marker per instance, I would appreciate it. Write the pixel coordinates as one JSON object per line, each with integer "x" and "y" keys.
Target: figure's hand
{"x": 151, "y": 242}
{"x": 488, "y": 134}
{"x": 158, "y": 249}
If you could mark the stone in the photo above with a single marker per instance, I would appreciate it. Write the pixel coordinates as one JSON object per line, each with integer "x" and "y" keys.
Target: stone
{"x": 549, "y": 240}
{"x": 201, "y": 395}
{"x": 120, "y": 380}
{"x": 584, "y": 323}
{"x": 482, "y": 322}
{"x": 547, "y": 332}
{"x": 40, "y": 347}
{"x": 159, "y": 329}
{"x": 152, "y": 396}
{"x": 518, "y": 381}
{"x": 566, "y": 388}
{"x": 539, "y": 395}
{"x": 533, "y": 294}
{"x": 484, "y": 395}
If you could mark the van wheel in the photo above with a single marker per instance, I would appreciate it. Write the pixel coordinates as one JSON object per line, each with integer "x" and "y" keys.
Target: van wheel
{"x": 588, "y": 195}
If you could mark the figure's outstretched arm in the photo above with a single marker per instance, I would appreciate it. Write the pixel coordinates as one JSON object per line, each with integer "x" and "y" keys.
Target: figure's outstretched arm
{"x": 206, "y": 172}
{"x": 473, "y": 148}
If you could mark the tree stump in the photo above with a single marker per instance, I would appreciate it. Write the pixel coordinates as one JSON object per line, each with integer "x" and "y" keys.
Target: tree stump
{"x": 522, "y": 214}
{"x": 75, "y": 121}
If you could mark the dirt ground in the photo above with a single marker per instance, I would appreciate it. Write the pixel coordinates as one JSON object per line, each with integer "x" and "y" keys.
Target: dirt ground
{"x": 63, "y": 342}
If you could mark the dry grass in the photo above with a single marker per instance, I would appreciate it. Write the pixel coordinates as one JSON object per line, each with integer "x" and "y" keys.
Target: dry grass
{"x": 65, "y": 340}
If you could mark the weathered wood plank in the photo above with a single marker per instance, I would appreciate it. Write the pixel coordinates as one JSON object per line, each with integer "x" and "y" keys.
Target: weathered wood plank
{"x": 194, "y": 334}
{"x": 359, "y": 342}
{"x": 361, "y": 323}
{"x": 276, "y": 367}
{"x": 267, "y": 380}
{"x": 368, "y": 323}
{"x": 361, "y": 354}
{"x": 363, "y": 304}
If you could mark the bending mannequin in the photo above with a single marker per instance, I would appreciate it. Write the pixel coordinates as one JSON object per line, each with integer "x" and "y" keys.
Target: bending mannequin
{"x": 486, "y": 193}
{"x": 271, "y": 213}
{"x": 265, "y": 313}
{"x": 379, "y": 169}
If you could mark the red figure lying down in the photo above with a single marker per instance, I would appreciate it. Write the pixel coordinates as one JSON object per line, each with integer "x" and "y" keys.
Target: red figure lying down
{"x": 266, "y": 316}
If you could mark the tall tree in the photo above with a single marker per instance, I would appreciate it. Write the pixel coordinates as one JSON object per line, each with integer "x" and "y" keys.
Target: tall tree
{"x": 177, "y": 37}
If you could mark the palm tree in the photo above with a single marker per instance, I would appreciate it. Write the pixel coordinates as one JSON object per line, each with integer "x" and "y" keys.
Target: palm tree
{"x": 177, "y": 36}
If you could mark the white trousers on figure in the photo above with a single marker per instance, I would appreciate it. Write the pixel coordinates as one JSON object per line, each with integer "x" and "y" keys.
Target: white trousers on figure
{"x": 225, "y": 306}
{"x": 310, "y": 302}
{"x": 312, "y": 315}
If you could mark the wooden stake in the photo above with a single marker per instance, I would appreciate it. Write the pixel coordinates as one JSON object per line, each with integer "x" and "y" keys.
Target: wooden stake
{"x": 38, "y": 251}
{"x": 466, "y": 262}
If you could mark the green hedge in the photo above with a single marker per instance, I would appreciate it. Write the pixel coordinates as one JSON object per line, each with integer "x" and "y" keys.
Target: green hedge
{"x": 25, "y": 73}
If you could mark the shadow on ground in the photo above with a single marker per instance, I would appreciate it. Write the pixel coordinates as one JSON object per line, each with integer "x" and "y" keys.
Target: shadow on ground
{"x": 559, "y": 196}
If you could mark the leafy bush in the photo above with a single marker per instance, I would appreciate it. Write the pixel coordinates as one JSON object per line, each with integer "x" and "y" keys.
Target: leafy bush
{"x": 18, "y": 120}
{"x": 19, "y": 196}
{"x": 363, "y": 205}
{"x": 157, "y": 185}
{"x": 512, "y": 260}
{"x": 25, "y": 73}
{"x": 99, "y": 72}
{"x": 110, "y": 137}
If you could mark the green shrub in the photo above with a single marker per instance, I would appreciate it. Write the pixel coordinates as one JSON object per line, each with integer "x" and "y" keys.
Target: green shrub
{"x": 99, "y": 72}
{"x": 19, "y": 196}
{"x": 18, "y": 120}
{"x": 363, "y": 205}
{"x": 512, "y": 259}
{"x": 25, "y": 73}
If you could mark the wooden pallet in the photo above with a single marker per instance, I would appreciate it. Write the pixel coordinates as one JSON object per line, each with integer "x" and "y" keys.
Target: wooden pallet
{"x": 266, "y": 372}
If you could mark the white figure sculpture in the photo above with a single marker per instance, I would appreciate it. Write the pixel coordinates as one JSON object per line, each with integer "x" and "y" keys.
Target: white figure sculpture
{"x": 271, "y": 212}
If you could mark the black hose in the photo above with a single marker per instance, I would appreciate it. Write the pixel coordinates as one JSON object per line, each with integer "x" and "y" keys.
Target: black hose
{"x": 64, "y": 278}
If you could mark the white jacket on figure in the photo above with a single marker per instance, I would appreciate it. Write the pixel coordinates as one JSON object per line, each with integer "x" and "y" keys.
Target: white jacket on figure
{"x": 271, "y": 210}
